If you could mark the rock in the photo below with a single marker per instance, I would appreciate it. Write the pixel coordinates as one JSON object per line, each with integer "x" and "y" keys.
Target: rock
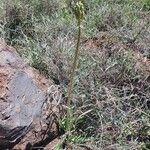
{"x": 24, "y": 108}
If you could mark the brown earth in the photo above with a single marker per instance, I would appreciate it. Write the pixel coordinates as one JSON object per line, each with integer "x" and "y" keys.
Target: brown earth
{"x": 106, "y": 42}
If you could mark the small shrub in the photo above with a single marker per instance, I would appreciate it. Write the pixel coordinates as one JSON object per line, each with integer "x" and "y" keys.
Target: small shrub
{"x": 146, "y": 5}
{"x": 18, "y": 21}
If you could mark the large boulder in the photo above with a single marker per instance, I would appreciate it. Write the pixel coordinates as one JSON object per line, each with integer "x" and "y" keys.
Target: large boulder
{"x": 24, "y": 105}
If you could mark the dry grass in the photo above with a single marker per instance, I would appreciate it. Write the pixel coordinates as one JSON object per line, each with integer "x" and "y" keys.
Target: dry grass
{"x": 108, "y": 80}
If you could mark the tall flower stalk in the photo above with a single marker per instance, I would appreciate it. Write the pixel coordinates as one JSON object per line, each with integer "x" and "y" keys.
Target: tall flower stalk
{"x": 79, "y": 14}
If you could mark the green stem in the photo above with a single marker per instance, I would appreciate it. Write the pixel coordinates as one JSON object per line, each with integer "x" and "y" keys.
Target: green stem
{"x": 70, "y": 88}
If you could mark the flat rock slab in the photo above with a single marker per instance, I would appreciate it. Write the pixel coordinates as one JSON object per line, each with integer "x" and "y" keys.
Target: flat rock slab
{"x": 23, "y": 93}
{"x": 25, "y": 100}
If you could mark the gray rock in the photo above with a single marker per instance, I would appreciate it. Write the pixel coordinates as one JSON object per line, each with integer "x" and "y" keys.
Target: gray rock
{"x": 23, "y": 94}
{"x": 23, "y": 98}
{"x": 25, "y": 101}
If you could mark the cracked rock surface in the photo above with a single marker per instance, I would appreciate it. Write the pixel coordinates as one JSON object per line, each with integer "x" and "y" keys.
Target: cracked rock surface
{"x": 23, "y": 93}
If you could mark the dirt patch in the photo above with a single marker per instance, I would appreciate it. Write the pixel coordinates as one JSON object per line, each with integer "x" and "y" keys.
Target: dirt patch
{"x": 107, "y": 43}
